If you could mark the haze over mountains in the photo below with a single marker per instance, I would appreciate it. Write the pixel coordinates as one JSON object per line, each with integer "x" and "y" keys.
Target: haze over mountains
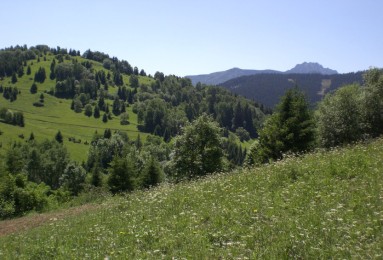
{"x": 216, "y": 78}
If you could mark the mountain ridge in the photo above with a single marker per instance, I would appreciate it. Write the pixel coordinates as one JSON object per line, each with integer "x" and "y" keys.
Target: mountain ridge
{"x": 219, "y": 77}
{"x": 311, "y": 67}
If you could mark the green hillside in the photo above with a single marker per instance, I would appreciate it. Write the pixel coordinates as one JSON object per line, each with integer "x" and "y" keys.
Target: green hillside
{"x": 56, "y": 115}
{"x": 180, "y": 101}
{"x": 321, "y": 205}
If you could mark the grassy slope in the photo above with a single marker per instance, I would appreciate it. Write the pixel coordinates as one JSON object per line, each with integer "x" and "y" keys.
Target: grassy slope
{"x": 323, "y": 205}
{"x": 45, "y": 121}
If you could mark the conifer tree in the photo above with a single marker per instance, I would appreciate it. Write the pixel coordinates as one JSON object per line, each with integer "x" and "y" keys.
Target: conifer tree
{"x": 289, "y": 129}
{"x": 31, "y": 137}
{"x": 96, "y": 112}
{"x": 121, "y": 175}
{"x": 96, "y": 175}
{"x": 152, "y": 174}
{"x": 105, "y": 118}
{"x": 33, "y": 89}
{"x": 59, "y": 137}
{"x": 20, "y": 72}
{"x": 14, "y": 78}
{"x": 138, "y": 142}
{"x": 107, "y": 133}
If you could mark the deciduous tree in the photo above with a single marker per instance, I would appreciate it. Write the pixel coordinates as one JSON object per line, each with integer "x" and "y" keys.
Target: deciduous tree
{"x": 340, "y": 117}
{"x": 198, "y": 151}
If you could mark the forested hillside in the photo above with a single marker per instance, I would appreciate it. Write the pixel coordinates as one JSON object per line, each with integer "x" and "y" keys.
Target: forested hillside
{"x": 268, "y": 88}
{"x": 104, "y": 92}
{"x": 71, "y": 122}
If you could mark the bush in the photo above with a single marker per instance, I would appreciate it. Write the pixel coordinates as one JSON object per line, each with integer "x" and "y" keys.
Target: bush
{"x": 73, "y": 178}
{"x": 13, "y": 118}
{"x": 88, "y": 110}
{"x": 124, "y": 118}
{"x": 38, "y": 104}
{"x": 18, "y": 196}
{"x": 242, "y": 134}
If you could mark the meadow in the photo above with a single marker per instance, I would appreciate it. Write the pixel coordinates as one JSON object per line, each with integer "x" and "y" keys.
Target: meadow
{"x": 326, "y": 204}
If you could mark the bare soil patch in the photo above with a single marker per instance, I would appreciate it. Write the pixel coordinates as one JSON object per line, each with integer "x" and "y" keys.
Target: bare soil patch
{"x": 12, "y": 226}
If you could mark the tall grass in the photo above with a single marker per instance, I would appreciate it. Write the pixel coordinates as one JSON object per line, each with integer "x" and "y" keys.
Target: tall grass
{"x": 321, "y": 205}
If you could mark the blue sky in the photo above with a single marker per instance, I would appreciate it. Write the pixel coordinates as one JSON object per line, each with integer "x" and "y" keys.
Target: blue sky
{"x": 198, "y": 37}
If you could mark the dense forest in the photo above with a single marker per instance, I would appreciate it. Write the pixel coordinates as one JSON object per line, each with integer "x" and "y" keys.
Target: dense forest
{"x": 268, "y": 88}
{"x": 181, "y": 132}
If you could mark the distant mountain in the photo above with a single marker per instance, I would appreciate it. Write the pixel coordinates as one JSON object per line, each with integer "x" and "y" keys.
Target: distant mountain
{"x": 311, "y": 67}
{"x": 268, "y": 88}
{"x": 219, "y": 77}
{"x": 216, "y": 78}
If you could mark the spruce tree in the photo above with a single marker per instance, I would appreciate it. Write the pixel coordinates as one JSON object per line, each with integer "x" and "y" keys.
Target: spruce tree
{"x": 59, "y": 137}
{"x": 31, "y": 137}
{"x": 96, "y": 112}
{"x": 96, "y": 175}
{"x": 121, "y": 175}
{"x": 116, "y": 106}
{"x": 107, "y": 133}
{"x": 152, "y": 174}
{"x": 14, "y": 78}
{"x": 20, "y": 72}
{"x": 289, "y": 129}
{"x": 138, "y": 142}
{"x": 33, "y": 89}
{"x": 105, "y": 118}
{"x": 101, "y": 104}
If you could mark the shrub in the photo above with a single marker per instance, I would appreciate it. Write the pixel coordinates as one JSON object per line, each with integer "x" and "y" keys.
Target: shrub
{"x": 38, "y": 104}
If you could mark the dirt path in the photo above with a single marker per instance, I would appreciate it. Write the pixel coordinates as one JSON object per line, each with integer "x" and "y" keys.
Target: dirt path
{"x": 11, "y": 226}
